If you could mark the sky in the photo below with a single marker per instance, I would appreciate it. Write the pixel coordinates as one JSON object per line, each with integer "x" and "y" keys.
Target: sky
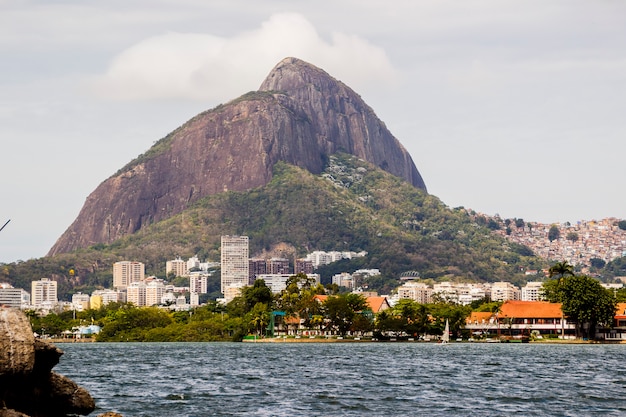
{"x": 515, "y": 108}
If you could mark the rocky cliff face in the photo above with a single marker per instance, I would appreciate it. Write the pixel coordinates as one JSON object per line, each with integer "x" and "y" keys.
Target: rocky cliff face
{"x": 300, "y": 115}
{"x": 28, "y": 386}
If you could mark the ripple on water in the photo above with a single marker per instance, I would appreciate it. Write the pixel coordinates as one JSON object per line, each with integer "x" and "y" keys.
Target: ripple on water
{"x": 229, "y": 379}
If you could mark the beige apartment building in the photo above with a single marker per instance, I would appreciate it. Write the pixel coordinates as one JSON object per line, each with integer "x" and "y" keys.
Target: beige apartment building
{"x": 417, "y": 291}
{"x": 43, "y": 292}
{"x": 127, "y": 272}
{"x": 177, "y": 266}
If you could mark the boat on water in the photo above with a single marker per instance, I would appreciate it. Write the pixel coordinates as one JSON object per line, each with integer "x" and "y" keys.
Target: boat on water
{"x": 445, "y": 338}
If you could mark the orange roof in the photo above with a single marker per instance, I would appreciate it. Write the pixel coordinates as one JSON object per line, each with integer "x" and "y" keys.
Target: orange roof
{"x": 621, "y": 310}
{"x": 480, "y": 317}
{"x": 376, "y": 304}
{"x": 530, "y": 309}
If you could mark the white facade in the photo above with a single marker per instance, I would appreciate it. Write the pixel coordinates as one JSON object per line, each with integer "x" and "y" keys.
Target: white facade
{"x": 103, "y": 297}
{"x": 344, "y": 280}
{"x": 80, "y": 301}
{"x": 14, "y": 297}
{"x": 532, "y": 291}
{"x": 503, "y": 291}
{"x": 446, "y": 291}
{"x": 44, "y": 292}
{"x": 234, "y": 262}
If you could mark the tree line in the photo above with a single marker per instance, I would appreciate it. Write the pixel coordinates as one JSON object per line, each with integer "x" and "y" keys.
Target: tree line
{"x": 255, "y": 312}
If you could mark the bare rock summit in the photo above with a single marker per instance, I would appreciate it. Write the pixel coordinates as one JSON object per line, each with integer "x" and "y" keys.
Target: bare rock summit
{"x": 300, "y": 115}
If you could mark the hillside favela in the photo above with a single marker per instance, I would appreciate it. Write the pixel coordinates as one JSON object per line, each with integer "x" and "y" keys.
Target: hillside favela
{"x": 287, "y": 219}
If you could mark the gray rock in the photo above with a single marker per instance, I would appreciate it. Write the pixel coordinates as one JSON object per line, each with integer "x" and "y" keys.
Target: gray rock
{"x": 17, "y": 351}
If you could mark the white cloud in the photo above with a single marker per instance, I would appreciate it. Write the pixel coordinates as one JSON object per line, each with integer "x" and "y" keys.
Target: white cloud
{"x": 202, "y": 66}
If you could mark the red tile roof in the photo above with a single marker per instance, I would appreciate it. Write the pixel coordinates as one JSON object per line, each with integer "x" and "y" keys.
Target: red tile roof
{"x": 479, "y": 317}
{"x": 376, "y": 304}
{"x": 530, "y": 309}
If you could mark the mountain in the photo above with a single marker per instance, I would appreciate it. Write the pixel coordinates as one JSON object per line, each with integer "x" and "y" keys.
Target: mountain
{"x": 300, "y": 115}
{"x": 352, "y": 205}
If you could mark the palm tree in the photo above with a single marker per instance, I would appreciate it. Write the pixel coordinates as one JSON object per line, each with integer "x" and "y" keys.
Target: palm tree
{"x": 561, "y": 269}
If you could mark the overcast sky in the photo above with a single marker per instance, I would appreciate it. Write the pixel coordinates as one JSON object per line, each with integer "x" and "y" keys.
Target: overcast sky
{"x": 509, "y": 107}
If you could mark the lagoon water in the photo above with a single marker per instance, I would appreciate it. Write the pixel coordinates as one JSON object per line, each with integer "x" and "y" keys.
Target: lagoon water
{"x": 350, "y": 379}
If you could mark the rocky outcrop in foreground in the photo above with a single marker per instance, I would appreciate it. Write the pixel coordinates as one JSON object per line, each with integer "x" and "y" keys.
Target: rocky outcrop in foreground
{"x": 28, "y": 386}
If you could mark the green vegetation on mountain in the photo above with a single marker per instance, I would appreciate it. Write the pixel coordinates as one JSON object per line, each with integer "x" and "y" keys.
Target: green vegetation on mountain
{"x": 352, "y": 206}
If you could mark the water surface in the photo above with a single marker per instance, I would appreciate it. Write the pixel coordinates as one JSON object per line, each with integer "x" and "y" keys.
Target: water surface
{"x": 349, "y": 379}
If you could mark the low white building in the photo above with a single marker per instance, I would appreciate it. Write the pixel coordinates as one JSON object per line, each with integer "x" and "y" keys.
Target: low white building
{"x": 14, "y": 297}
{"x": 80, "y": 301}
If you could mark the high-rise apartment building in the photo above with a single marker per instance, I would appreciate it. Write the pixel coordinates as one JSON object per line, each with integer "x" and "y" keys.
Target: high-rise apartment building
{"x": 256, "y": 267}
{"x": 198, "y": 282}
{"x": 155, "y": 289}
{"x": 304, "y": 266}
{"x": 234, "y": 261}
{"x": 503, "y": 291}
{"x": 136, "y": 293}
{"x": 416, "y": 291}
{"x": 127, "y": 272}
{"x": 177, "y": 266}
{"x": 44, "y": 291}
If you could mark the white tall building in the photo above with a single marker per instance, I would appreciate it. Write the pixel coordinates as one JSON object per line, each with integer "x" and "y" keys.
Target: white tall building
{"x": 234, "y": 262}
{"x": 532, "y": 291}
{"x": 126, "y": 272}
{"x": 44, "y": 291}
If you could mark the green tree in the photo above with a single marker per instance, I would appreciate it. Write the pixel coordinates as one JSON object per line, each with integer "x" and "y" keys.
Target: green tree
{"x": 572, "y": 237}
{"x": 342, "y": 309}
{"x": 257, "y": 293}
{"x": 597, "y": 263}
{"x": 554, "y": 233}
{"x": 584, "y": 301}
{"x": 560, "y": 270}
{"x": 622, "y": 224}
{"x": 258, "y": 318}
